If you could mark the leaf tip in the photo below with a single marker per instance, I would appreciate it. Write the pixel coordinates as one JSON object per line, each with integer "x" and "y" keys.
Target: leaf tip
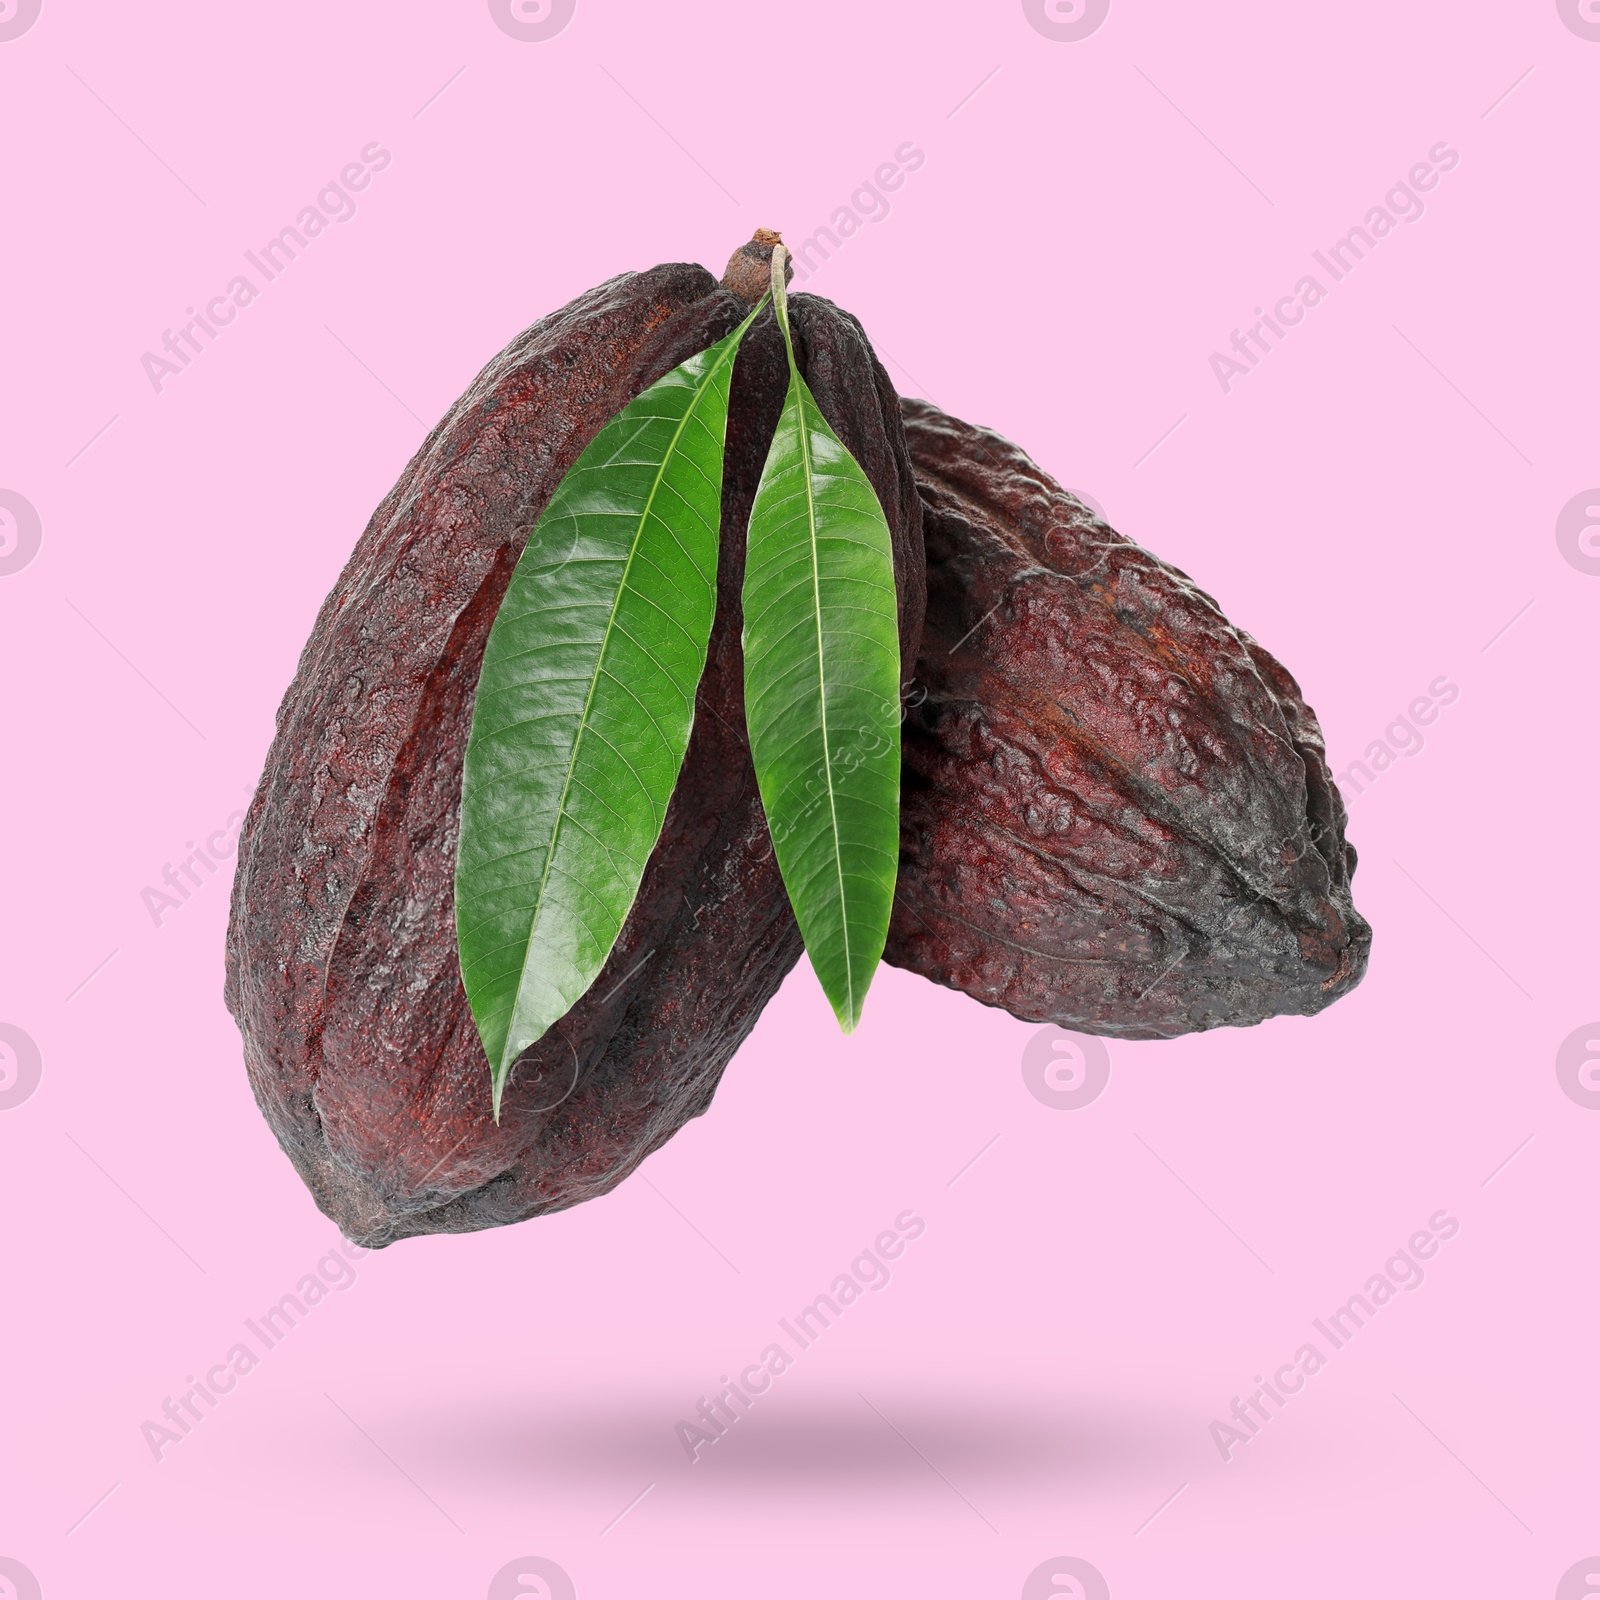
{"x": 500, "y": 1075}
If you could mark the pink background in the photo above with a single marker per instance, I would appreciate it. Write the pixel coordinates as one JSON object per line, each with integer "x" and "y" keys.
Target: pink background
{"x": 1376, "y": 502}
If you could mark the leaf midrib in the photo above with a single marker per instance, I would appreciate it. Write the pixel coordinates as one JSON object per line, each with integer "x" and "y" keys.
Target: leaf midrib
{"x": 583, "y": 723}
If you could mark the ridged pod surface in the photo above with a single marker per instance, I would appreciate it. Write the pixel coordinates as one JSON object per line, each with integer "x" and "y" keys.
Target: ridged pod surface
{"x": 342, "y": 969}
{"x": 1116, "y": 811}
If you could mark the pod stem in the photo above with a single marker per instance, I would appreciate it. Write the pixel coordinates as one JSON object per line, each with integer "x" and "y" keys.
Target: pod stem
{"x": 749, "y": 270}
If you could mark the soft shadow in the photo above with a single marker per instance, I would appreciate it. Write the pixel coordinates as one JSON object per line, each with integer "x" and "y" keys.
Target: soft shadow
{"x": 837, "y": 1440}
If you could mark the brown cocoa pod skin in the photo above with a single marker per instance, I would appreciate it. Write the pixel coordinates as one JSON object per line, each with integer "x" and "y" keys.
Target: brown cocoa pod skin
{"x": 1116, "y": 809}
{"x": 342, "y": 968}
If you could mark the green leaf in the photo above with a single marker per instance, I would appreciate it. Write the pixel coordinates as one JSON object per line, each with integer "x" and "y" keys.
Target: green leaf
{"x": 822, "y": 689}
{"x": 585, "y": 704}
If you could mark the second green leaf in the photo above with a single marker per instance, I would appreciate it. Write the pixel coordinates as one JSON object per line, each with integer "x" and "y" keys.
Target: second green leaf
{"x": 822, "y": 688}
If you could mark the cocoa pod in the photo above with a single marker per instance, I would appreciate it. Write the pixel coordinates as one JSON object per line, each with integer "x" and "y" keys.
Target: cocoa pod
{"x": 1116, "y": 812}
{"x": 342, "y": 969}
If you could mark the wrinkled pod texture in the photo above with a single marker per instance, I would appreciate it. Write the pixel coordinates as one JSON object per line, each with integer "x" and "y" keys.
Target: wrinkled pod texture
{"x": 342, "y": 969}
{"x": 1116, "y": 812}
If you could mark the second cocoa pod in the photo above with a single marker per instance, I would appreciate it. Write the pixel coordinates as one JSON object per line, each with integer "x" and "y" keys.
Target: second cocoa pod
{"x": 1116, "y": 811}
